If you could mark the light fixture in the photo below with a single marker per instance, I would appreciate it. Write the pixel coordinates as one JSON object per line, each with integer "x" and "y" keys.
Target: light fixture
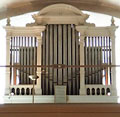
{"x": 33, "y": 78}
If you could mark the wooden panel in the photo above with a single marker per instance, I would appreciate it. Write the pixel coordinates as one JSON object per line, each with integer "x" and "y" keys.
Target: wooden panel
{"x": 60, "y": 110}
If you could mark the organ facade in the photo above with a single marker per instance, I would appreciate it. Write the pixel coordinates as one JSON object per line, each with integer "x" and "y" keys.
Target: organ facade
{"x": 73, "y": 59}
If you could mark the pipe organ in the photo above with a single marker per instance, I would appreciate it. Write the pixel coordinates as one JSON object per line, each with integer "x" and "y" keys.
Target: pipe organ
{"x": 23, "y": 51}
{"x": 97, "y": 52}
{"x": 60, "y": 46}
{"x": 63, "y": 50}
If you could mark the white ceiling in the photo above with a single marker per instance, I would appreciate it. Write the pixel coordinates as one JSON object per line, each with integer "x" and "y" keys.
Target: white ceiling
{"x": 17, "y": 7}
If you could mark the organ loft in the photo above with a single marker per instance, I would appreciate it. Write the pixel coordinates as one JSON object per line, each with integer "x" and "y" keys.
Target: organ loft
{"x": 71, "y": 59}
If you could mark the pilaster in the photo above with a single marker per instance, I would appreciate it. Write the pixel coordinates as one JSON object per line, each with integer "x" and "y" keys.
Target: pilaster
{"x": 82, "y": 30}
{"x": 82, "y": 69}
{"x": 112, "y": 37}
{"x": 38, "y": 86}
{"x": 7, "y": 80}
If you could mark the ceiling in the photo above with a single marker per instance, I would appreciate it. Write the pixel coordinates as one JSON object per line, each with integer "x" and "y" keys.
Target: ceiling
{"x": 10, "y": 8}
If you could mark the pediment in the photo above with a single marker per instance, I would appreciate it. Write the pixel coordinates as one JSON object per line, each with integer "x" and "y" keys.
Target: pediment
{"x": 60, "y": 9}
{"x": 60, "y": 14}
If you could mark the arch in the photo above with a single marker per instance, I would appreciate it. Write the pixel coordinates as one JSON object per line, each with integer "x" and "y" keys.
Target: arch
{"x": 88, "y": 91}
{"x": 98, "y": 91}
{"x": 23, "y": 91}
{"x": 17, "y": 91}
{"x": 93, "y": 91}
{"x": 27, "y": 91}
{"x": 103, "y": 91}
{"x": 13, "y": 90}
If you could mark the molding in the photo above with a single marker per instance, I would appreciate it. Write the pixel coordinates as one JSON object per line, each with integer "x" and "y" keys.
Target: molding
{"x": 24, "y": 31}
{"x": 70, "y": 99}
{"x": 96, "y": 31}
{"x": 28, "y": 99}
{"x": 93, "y": 99}
{"x": 112, "y": 30}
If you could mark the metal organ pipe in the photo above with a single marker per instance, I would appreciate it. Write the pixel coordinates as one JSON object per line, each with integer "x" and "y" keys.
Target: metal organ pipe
{"x": 97, "y": 52}
{"x": 63, "y": 49}
{"x": 23, "y": 52}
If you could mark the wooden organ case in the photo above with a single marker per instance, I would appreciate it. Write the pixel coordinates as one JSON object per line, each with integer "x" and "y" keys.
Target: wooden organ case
{"x": 60, "y": 36}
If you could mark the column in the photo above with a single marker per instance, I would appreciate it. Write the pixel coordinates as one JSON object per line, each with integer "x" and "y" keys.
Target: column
{"x": 114, "y": 89}
{"x": 38, "y": 86}
{"x": 112, "y": 30}
{"x": 7, "y": 78}
{"x": 82, "y": 72}
{"x": 82, "y": 30}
